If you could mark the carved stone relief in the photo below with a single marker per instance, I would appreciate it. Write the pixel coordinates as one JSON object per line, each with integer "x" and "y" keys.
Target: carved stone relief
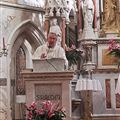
{"x": 3, "y": 103}
{"x": 6, "y": 21}
{"x": 3, "y": 114}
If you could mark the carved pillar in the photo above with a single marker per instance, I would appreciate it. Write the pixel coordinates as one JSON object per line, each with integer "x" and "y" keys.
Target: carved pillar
{"x": 88, "y": 46}
{"x": 88, "y": 105}
{"x": 63, "y": 25}
{"x": 79, "y": 18}
{"x": 88, "y": 53}
{"x": 95, "y": 18}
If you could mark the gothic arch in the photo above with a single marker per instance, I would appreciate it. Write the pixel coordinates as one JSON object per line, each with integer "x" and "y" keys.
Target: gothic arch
{"x": 35, "y": 39}
{"x": 26, "y": 31}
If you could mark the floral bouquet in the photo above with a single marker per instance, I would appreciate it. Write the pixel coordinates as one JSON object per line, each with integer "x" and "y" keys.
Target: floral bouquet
{"x": 114, "y": 49}
{"x": 45, "y": 111}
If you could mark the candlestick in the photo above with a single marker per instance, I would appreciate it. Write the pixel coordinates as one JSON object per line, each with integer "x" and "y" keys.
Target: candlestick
{"x": 4, "y": 50}
{"x": 4, "y": 44}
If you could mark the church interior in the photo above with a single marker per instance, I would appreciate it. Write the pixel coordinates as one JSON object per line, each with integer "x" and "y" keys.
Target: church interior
{"x": 81, "y": 70}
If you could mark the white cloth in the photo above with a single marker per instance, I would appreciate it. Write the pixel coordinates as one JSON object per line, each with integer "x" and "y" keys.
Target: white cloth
{"x": 88, "y": 84}
{"x": 56, "y": 52}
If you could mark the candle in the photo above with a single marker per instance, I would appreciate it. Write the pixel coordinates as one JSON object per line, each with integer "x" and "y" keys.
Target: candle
{"x": 4, "y": 44}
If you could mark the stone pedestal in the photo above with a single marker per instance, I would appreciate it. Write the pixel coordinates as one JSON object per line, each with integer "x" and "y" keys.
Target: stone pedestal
{"x": 88, "y": 34}
{"x": 53, "y": 86}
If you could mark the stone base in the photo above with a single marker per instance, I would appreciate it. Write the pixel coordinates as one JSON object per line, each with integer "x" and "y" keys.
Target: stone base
{"x": 88, "y": 34}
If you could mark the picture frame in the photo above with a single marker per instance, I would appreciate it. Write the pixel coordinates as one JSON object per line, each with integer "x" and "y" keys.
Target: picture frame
{"x": 105, "y": 61}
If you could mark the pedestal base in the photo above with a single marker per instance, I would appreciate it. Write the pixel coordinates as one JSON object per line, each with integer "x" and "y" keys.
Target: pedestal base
{"x": 53, "y": 86}
{"x": 88, "y": 34}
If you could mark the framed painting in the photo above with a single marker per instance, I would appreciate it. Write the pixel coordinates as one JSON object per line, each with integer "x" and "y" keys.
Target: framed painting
{"x": 105, "y": 61}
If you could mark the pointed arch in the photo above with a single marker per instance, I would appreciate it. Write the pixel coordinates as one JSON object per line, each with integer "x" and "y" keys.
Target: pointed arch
{"x": 25, "y": 31}
{"x": 30, "y": 32}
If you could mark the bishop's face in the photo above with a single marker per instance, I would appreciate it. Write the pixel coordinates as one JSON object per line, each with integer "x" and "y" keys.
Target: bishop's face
{"x": 52, "y": 40}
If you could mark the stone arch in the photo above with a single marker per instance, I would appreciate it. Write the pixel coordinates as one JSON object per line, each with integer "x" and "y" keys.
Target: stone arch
{"x": 35, "y": 39}
{"x": 28, "y": 31}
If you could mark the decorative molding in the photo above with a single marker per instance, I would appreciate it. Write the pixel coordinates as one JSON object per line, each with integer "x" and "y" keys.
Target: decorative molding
{"x": 3, "y": 81}
{"x": 109, "y": 70}
{"x": 112, "y": 70}
{"x": 106, "y": 41}
{"x": 48, "y": 75}
{"x": 100, "y": 40}
{"x": 106, "y": 115}
{"x": 8, "y": 20}
{"x": 3, "y": 114}
{"x": 23, "y": 7}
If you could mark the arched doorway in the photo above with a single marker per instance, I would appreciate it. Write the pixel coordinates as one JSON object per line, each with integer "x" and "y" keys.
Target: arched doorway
{"x": 25, "y": 40}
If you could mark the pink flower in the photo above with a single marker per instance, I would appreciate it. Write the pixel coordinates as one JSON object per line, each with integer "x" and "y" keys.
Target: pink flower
{"x": 114, "y": 48}
{"x": 47, "y": 105}
{"x": 112, "y": 41}
{"x": 50, "y": 114}
{"x": 29, "y": 115}
{"x": 45, "y": 110}
{"x": 40, "y": 111}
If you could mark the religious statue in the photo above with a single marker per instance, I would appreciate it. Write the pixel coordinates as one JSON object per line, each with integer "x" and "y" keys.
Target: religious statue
{"x": 88, "y": 16}
{"x": 88, "y": 13}
{"x": 110, "y": 16}
{"x": 68, "y": 6}
{"x": 55, "y": 28}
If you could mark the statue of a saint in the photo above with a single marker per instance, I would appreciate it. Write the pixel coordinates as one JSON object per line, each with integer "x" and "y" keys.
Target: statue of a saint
{"x": 110, "y": 16}
{"x": 88, "y": 13}
{"x": 55, "y": 28}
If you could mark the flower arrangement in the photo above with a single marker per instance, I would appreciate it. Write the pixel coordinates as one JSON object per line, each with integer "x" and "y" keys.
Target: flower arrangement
{"x": 114, "y": 50}
{"x": 45, "y": 111}
{"x": 73, "y": 55}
